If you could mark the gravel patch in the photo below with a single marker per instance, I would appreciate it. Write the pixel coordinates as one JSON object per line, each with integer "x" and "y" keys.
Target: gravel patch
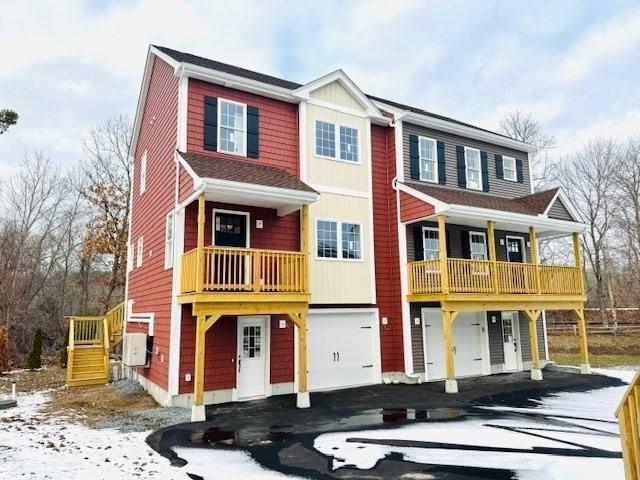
{"x": 130, "y": 387}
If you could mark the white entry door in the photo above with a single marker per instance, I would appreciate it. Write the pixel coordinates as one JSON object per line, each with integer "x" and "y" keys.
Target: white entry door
{"x": 252, "y": 357}
{"x": 469, "y": 338}
{"x": 341, "y": 350}
{"x": 510, "y": 340}
{"x": 433, "y": 340}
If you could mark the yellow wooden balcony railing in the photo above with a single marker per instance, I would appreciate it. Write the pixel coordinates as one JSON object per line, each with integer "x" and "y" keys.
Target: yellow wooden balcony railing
{"x": 115, "y": 323}
{"x": 629, "y": 419}
{"x": 482, "y": 276}
{"x": 226, "y": 269}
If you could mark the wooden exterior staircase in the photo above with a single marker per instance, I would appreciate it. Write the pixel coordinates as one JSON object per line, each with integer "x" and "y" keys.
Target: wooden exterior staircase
{"x": 91, "y": 342}
{"x": 628, "y": 413}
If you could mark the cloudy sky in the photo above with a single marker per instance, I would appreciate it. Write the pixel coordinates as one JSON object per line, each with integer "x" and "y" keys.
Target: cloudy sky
{"x": 66, "y": 65}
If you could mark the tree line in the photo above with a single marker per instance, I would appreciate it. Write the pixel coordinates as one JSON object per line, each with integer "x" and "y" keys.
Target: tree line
{"x": 63, "y": 235}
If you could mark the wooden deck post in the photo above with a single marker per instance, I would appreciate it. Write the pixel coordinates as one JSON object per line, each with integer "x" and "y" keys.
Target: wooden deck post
{"x": 201, "y": 226}
{"x": 300, "y": 320}
{"x": 451, "y": 384}
{"x": 578, "y": 260}
{"x": 492, "y": 254}
{"x": 304, "y": 245}
{"x": 532, "y": 316}
{"x": 197, "y": 410}
{"x": 442, "y": 254}
{"x": 535, "y": 260}
{"x": 584, "y": 348}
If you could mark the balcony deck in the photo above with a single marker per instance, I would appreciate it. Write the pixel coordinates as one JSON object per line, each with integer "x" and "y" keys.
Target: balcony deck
{"x": 503, "y": 284}
{"x": 243, "y": 275}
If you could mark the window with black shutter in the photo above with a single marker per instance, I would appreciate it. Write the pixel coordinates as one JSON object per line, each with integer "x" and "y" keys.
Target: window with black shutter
{"x": 210, "y": 123}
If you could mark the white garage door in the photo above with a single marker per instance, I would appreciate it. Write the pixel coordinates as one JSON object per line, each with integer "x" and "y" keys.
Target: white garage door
{"x": 340, "y": 350}
{"x": 468, "y": 339}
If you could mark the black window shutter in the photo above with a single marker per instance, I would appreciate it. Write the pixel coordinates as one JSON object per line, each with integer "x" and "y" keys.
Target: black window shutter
{"x": 252, "y": 132}
{"x": 519, "y": 170}
{"x": 464, "y": 243}
{"x": 462, "y": 167}
{"x": 499, "y": 167}
{"x": 442, "y": 166}
{"x": 210, "y": 123}
{"x": 414, "y": 155}
{"x": 418, "y": 245}
{"x": 484, "y": 164}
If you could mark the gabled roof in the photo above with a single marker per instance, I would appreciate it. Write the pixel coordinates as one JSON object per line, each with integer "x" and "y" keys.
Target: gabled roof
{"x": 280, "y": 83}
{"x": 534, "y": 204}
{"x": 241, "y": 171}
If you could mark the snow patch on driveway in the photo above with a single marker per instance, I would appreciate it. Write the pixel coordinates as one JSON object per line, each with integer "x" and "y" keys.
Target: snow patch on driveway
{"x": 569, "y": 434}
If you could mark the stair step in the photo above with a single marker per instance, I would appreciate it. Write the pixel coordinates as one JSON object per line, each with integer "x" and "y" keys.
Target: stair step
{"x": 87, "y": 368}
{"x": 88, "y": 375}
{"x": 88, "y": 381}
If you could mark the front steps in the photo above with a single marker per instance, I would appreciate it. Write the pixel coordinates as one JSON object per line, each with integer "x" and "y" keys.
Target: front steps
{"x": 87, "y": 367}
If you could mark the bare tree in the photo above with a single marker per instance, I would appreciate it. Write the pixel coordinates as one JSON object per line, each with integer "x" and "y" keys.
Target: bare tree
{"x": 524, "y": 127}
{"x": 589, "y": 178}
{"x": 106, "y": 188}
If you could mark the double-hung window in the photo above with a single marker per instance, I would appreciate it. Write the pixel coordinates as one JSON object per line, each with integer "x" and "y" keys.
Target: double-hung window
{"x": 474, "y": 169}
{"x": 337, "y": 142}
{"x": 428, "y": 160}
{"x": 478, "y": 245}
{"x": 168, "y": 241}
{"x": 232, "y": 127}
{"x": 140, "y": 252}
{"x": 509, "y": 168}
{"x": 431, "y": 244}
{"x": 338, "y": 240}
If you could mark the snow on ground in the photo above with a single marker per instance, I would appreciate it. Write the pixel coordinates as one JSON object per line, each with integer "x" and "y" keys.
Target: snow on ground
{"x": 34, "y": 445}
{"x": 544, "y": 426}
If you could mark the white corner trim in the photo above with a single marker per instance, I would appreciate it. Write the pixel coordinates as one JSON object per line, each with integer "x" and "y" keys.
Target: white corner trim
{"x": 302, "y": 128}
{"x": 404, "y": 289}
{"x": 398, "y": 129}
{"x": 183, "y": 106}
{"x": 372, "y": 262}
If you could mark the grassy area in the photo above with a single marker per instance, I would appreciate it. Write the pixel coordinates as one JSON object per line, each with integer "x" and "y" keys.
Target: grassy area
{"x": 604, "y": 350}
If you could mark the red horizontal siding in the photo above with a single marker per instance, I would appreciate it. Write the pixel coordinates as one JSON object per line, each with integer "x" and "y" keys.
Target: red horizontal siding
{"x": 412, "y": 208}
{"x": 150, "y": 285}
{"x": 278, "y": 233}
{"x": 387, "y": 256}
{"x": 278, "y": 124}
{"x": 281, "y": 350}
{"x": 185, "y": 185}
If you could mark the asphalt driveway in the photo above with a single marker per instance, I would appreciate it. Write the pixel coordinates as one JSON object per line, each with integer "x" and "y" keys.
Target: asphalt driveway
{"x": 383, "y": 431}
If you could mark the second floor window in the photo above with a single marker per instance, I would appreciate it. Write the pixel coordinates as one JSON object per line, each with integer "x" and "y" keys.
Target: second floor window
{"x": 232, "y": 126}
{"x": 168, "y": 241}
{"x": 143, "y": 172}
{"x": 509, "y": 168}
{"x": 474, "y": 169}
{"x": 338, "y": 240}
{"x": 140, "y": 252}
{"x": 351, "y": 241}
{"x": 478, "y": 245}
{"x": 325, "y": 139}
{"x": 428, "y": 160}
{"x": 327, "y": 239}
{"x": 431, "y": 243}
{"x": 348, "y": 144}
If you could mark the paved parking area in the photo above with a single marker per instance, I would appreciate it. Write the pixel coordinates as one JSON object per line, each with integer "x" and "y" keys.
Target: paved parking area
{"x": 351, "y": 432}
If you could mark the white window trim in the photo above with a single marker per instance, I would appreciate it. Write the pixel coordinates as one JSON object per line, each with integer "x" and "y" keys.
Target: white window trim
{"x": 140, "y": 252}
{"x": 515, "y": 169}
{"x": 169, "y": 249}
{"x": 424, "y": 246}
{"x": 143, "y": 173}
{"x": 484, "y": 236}
{"x": 336, "y": 135}
{"x": 339, "y": 224}
{"x": 243, "y": 153}
{"x": 466, "y": 166}
{"x": 435, "y": 150}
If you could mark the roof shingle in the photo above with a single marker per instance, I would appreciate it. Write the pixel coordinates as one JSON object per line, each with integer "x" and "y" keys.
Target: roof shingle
{"x": 208, "y": 166}
{"x": 534, "y": 204}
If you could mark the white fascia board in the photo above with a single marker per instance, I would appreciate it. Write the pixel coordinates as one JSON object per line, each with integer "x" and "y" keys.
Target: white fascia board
{"x": 438, "y": 205}
{"x": 187, "y": 167}
{"x": 567, "y": 204}
{"x": 239, "y": 83}
{"x": 539, "y": 221}
{"x": 285, "y": 195}
{"x": 372, "y": 111}
{"x": 462, "y": 130}
{"x": 142, "y": 99}
{"x": 553, "y": 200}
